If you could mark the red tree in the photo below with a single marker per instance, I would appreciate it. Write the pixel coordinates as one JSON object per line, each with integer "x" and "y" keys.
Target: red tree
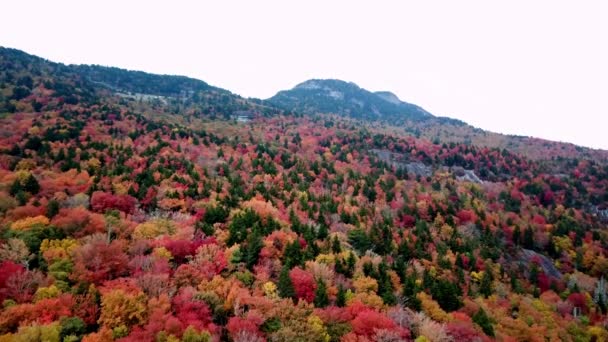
{"x": 303, "y": 283}
{"x": 192, "y": 312}
{"x": 7, "y": 270}
{"x": 98, "y": 261}
{"x": 238, "y": 325}
{"x": 102, "y": 201}
{"x": 367, "y": 322}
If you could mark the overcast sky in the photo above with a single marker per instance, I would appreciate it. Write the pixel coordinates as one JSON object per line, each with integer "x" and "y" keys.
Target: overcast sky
{"x": 536, "y": 68}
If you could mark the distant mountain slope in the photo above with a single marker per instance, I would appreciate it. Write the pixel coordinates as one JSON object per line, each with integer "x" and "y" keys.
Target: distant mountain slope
{"x": 32, "y": 84}
{"x": 142, "y": 82}
{"x": 22, "y": 74}
{"x": 15, "y": 61}
{"x": 348, "y": 99}
{"x": 385, "y": 112}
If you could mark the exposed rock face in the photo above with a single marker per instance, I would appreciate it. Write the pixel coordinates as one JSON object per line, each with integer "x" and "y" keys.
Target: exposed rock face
{"x": 463, "y": 174}
{"x": 388, "y": 96}
{"x": 401, "y": 161}
{"x": 417, "y": 168}
{"x": 528, "y": 256}
{"x": 601, "y": 214}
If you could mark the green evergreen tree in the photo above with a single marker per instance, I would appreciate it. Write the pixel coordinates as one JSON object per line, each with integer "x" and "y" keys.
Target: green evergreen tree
{"x": 410, "y": 290}
{"x": 350, "y": 264}
{"x": 447, "y": 293}
{"x": 21, "y": 197}
{"x": 399, "y": 267}
{"x": 293, "y": 254}
{"x": 385, "y": 286}
{"x": 359, "y": 240}
{"x": 285, "y": 285}
{"x": 534, "y": 274}
{"x": 321, "y": 298}
{"x": 516, "y": 235}
{"x": 515, "y": 285}
{"x": 481, "y": 318}
{"x": 253, "y": 248}
{"x": 16, "y": 187}
{"x": 132, "y": 191}
{"x": 237, "y": 230}
{"x": 339, "y": 267}
{"x": 485, "y": 285}
{"x": 460, "y": 275}
{"x": 52, "y": 208}
{"x": 72, "y": 328}
{"x": 368, "y": 269}
{"x": 404, "y": 251}
{"x": 427, "y": 280}
{"x": 341, "y": 297}
{"x": 528, "y": 241}
{"x": 323, "y": 232}
{"x": 60, "y": 156}
{"x": 335, "y": 245}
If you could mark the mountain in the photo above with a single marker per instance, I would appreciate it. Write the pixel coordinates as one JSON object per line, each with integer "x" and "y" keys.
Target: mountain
{"x": 348, "y": 99}
{"x": 96, "y": 76}
{"x": 83, "y": 83}
{"x": 388, "y": 96}
{"x": 384, "y": 108}
{"x": 134, "y": 207}
{"x": 183, "y": 98}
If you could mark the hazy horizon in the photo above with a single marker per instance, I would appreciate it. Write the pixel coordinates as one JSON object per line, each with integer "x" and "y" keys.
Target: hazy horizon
{"x": 533, "y": 69}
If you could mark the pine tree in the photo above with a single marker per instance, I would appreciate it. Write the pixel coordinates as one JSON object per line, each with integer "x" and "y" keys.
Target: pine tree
{"x": 399, "y": 267}
{"x": 341, "y": 297}
{"x": 485, "y": 285}
{"x": 322, "y": 232}
{"x": 335, "y": 245}
{"x": 311, "y": 252}
{"x": 534, "y": 274}
{"x": 516, "y": 235}
{"x": 16, "y": 187}
{"x": 321, "y": 298}
{"x": 132, "y": 191}
{"x": 293, "y": 254}
{"x": 253, "y": 248}
{"x": 446, "y": 293}
{"x": 427, "y": 279}
{"x": 237, "y": 231}
{"x": 528, "y": 241}
{"x": 368, "y": 269}
{"x": 405, "y": 251}
{"x": 339, "y": 267}
{"x": 410, "y": 289}
{"x": 599, "y": 295}
{"x": 385, "y": 286}
{"x": 482, "y": 319}
{"x": 460, "y": 275}
{"x": 350, "y": 264}
{"x": 285, "y": 286}
{"x": 52, "y": 208}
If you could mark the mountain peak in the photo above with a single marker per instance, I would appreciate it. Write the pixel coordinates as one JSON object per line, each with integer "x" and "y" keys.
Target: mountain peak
{"x": 348, "y": 99}
{"x": 316, "y": 83}
{"x": 389, "y": 96}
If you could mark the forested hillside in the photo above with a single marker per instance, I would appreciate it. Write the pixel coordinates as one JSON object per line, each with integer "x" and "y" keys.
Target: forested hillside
{"x": 135, "y": 207}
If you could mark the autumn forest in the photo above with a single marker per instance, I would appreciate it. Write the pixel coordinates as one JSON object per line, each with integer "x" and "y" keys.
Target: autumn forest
{"x": 139, "y": 207}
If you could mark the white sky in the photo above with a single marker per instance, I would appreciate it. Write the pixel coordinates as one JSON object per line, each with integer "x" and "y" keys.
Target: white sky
{"x": 536, "y": 68}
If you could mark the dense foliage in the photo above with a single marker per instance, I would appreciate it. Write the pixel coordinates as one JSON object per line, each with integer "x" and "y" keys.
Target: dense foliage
{"x": 121, "y": 219}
